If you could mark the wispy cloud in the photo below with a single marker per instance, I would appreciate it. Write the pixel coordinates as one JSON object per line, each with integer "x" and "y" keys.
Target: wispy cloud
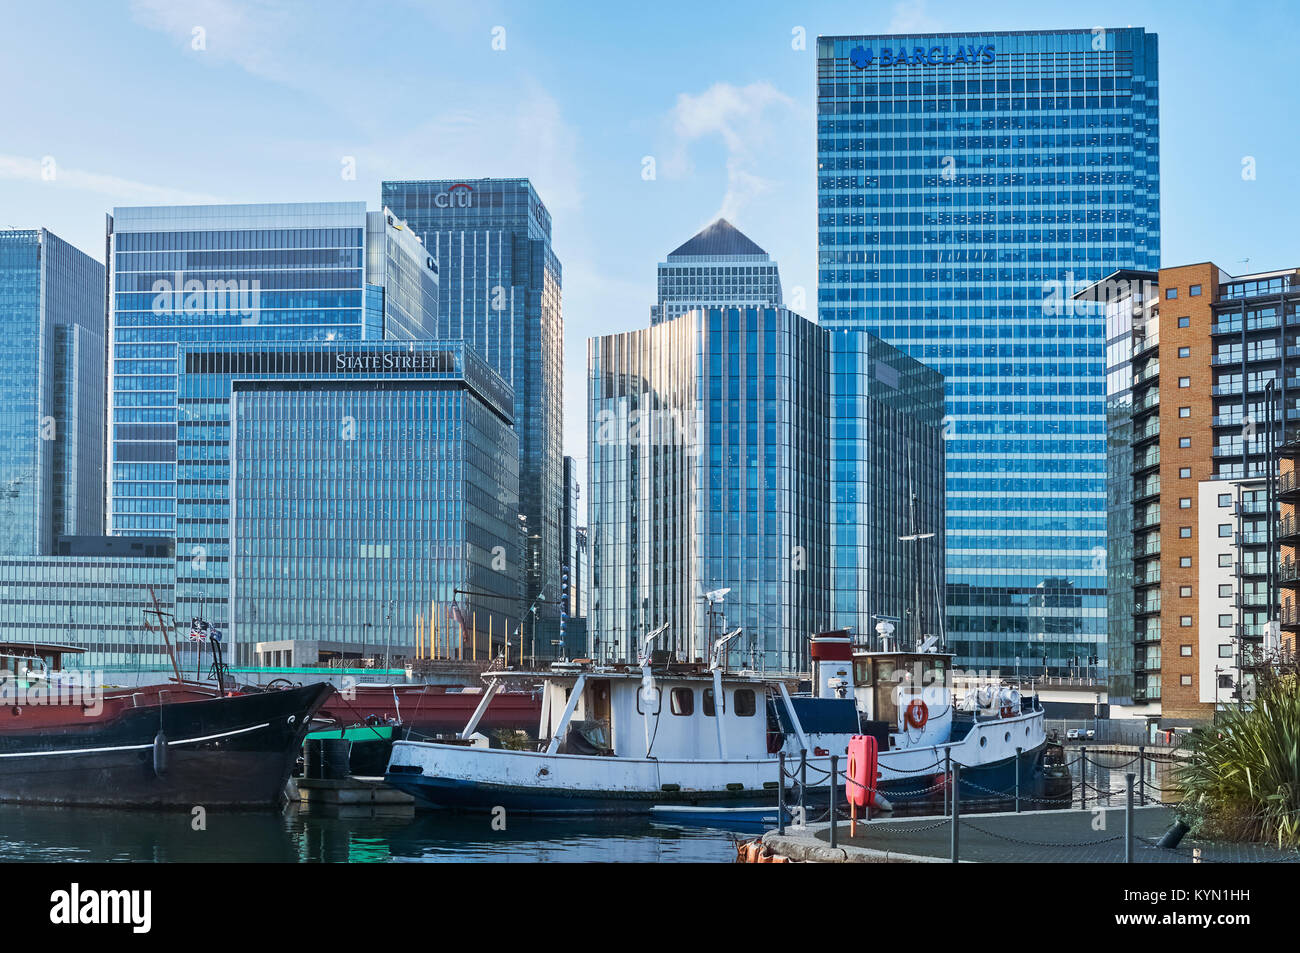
{"x": 120, "y": 191}
{"x": 742, "y": 117}
{"x": 252, "y": 34}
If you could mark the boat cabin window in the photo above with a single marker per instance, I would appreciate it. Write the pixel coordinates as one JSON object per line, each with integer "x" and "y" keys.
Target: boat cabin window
{"x": 706, "y": 702}
{"x": 683, "y": 701}
{"x": 745, "y": 703}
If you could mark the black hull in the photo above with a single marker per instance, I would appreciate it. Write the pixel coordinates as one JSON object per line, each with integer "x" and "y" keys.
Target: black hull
{"x": 221, "y": 753}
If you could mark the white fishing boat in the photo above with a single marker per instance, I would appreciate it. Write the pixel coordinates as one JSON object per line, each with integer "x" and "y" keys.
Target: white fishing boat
{"x": 622, "y": 739}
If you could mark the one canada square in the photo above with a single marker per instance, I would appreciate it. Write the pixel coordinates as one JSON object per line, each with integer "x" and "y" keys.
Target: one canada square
{"x": 963, "y": 181}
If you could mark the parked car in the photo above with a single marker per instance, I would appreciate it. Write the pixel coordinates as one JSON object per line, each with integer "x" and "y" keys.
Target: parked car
{"x": 1090, "y": 734}
{"x": 1072, "y": 734}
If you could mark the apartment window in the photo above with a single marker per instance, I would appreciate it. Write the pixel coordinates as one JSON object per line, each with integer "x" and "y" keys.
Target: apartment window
{"x": 1225, "y": 530}
{"x": 1184, "y": 472}
{"x": 1185, "y": 621}
{"x": 1225, "y": 499}
{"x": 1171, "y": 293}
{"x": 1184, "y": 532}
{"x": 1184, "y": 322}
{"x": 1225, "y": 591}
{"x": 1225, "y": 559}
{"x": 1184, "y": 679}
{"x": 1184, "y": 591}
{"x": 1184, "y": 352}
{"x": 1185, "y": 651}
{"x": 1184, "y": 441}
{"x": 1184, "y": 382}
{"x": 1225, "y": 651}
{"x": 1185, "y": 562}
{"x": 1225, "y": 621}
{"x": 1184, "y": 411}
{"x": 1194, "y": 291}
{"x": 1185, "y": 503}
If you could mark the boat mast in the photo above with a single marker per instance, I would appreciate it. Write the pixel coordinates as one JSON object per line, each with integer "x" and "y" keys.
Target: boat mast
{"x": 162, "y": 625}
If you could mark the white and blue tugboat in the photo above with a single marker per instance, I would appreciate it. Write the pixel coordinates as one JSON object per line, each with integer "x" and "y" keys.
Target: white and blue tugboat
{"x": 623, "y": 739}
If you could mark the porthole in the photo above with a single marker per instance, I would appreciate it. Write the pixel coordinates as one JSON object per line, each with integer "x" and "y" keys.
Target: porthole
{"x": 1007, "y": 737}
{"x": 983, "y": 740}
{"x": 1026, "y": 731}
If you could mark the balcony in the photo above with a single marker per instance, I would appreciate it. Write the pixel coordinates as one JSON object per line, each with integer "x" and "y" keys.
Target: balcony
{"x": 1288, "y": 573}
{"x": 1146, "y": 433}
{"x": 1146, "y": 461}
{"x": 1288, "y": 487}
{"x": 1289, "y": 617}
{"x": 1149, "y": 607}
{"x": 1288, "y": 531}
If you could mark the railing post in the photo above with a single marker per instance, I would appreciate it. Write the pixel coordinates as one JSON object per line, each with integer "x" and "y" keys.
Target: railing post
{"x": 780, "y": 793}
{"x": 947, "y": 776}
{"x": 803, "y": 785}
{"x": 1142, "y": 774}
{"x": 1128, "y": 820}
{"x": 835, "y": 767}
{"x": 1083, "y": 775}
{"x": 956, "y": 809}
{"x": 1018, "y": 750}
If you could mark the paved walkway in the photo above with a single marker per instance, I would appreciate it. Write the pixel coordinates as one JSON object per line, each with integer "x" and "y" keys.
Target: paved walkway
{"x": 1073, "y": 836}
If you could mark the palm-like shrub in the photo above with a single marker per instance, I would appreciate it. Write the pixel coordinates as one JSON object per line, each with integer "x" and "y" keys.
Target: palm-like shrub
{"x": 1242, "y": 781}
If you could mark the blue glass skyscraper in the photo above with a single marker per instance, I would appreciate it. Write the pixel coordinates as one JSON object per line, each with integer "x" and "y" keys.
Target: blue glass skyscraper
{"x": 964, "y": 182}
{"x": 499, "y": 292}
{"x": 51, "y": 392}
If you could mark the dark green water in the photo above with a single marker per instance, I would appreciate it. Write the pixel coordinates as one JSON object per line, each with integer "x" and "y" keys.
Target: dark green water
{"x": 84, "y": 834}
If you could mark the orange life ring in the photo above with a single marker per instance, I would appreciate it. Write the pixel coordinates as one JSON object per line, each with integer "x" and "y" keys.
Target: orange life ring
{"x": 917, "y": 713}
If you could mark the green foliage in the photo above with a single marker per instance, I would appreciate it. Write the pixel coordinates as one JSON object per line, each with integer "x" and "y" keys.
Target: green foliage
{"x": 1242, "y": 781}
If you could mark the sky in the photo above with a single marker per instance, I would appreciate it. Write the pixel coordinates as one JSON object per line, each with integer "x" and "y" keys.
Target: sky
{"x": 638, "y": 123}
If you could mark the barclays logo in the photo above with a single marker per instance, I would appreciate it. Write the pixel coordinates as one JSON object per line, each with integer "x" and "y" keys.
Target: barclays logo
{"x": 863, "y": 56}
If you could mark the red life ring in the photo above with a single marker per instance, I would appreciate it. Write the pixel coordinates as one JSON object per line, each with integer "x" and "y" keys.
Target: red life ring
{"x": 917, "y": 713}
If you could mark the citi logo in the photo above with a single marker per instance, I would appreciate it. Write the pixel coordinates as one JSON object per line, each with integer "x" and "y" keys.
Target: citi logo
{"x": 75, "y": 906}
{"x": 459, "y": 195}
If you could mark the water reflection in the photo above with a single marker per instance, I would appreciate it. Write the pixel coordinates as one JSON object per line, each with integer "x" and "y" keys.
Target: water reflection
{"x": 30, "y": 833}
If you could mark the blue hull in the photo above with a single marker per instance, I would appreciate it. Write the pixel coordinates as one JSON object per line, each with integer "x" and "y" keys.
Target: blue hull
{"x": 474, "y": 796}
{"x": 994, "y": 780}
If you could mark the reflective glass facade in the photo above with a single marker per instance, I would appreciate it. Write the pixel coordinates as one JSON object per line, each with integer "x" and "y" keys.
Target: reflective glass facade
{"x": 51, "y": 392}
{"x": 710, "y": 468}
{"x": 93, "y": 594}
{"x": 966, "y": 183}
{"x": 185, "y": 275}
{"x": 332, "y": 494}
{"x": 499, "y": 291}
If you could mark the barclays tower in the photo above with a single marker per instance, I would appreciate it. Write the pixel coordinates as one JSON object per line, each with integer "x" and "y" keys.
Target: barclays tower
{"x": 967, "y": 184}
